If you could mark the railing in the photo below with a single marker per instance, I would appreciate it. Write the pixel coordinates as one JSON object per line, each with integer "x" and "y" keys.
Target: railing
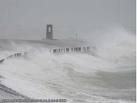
{"x": 70, "y": 50}
{"x": 54, "y": 51}
{"x": 13, "y": 55}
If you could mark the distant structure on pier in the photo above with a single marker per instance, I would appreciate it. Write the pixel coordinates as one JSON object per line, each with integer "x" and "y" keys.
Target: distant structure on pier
{"x": 49, "y": 32}
{"x": 66, "y": 45}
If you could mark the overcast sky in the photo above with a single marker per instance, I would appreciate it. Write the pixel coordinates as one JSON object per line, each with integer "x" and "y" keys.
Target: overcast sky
{"x": 27, "y": 19}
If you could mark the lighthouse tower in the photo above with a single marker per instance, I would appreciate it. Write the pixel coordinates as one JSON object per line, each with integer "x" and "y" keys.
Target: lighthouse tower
{"x": 49, "y": 32}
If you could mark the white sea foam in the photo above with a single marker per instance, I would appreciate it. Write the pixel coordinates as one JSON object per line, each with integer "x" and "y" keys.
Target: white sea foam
{"x": 72, "y": 76}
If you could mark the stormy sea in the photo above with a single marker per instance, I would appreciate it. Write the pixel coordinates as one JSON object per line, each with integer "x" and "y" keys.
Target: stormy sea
{"x": 105, "y": 75}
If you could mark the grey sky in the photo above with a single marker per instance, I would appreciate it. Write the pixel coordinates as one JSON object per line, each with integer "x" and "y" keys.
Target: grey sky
{"x": 28, "y": 18}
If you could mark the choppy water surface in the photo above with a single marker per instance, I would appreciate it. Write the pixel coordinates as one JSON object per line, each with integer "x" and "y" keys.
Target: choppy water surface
{"x": 105, "y": 76}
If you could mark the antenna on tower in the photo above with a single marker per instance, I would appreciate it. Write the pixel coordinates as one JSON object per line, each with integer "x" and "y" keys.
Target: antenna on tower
{"x": 76, "y": 36}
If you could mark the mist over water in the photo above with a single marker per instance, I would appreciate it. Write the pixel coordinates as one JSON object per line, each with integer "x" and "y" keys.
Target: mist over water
{"x": 107, "y": 75}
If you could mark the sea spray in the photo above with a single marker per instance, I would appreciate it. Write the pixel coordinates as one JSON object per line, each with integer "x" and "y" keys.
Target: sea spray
{"x": 107, "y": 77}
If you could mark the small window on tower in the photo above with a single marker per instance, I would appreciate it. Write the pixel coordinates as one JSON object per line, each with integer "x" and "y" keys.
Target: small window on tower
{"x": 49, "y": 29}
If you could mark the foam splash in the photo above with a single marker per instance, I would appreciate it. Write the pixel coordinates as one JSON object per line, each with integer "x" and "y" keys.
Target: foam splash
{"x": 73, "y": 76}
